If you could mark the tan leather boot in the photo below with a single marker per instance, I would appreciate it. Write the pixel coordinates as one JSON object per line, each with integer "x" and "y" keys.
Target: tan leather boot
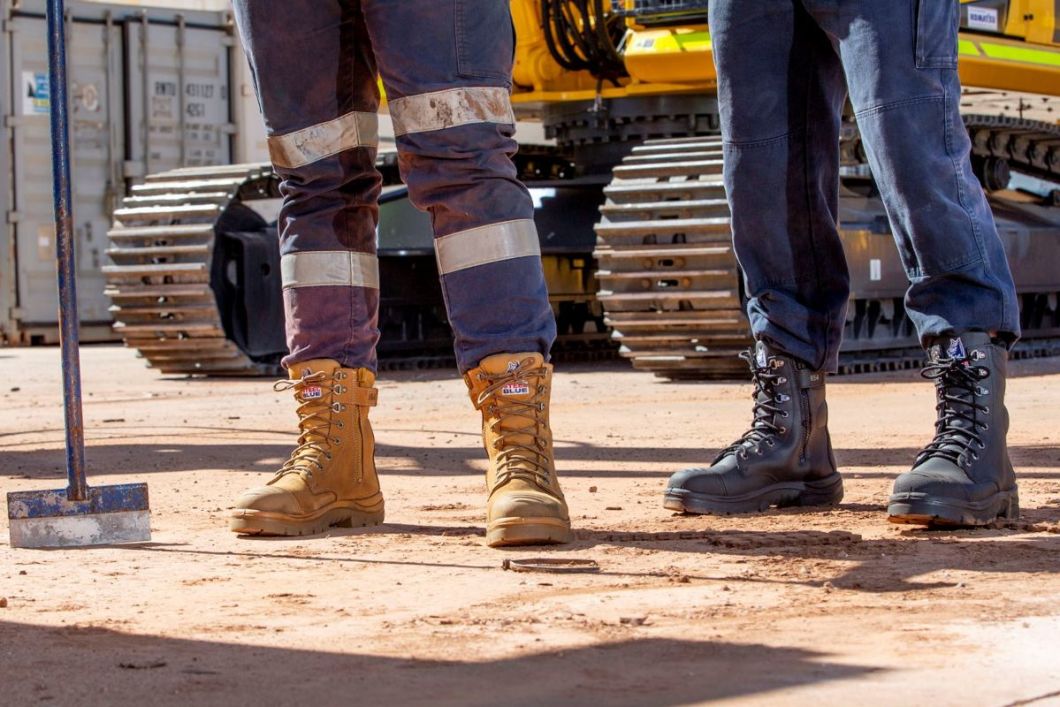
{"x": 526, "y": 506}
{"x": 330, "y": 478}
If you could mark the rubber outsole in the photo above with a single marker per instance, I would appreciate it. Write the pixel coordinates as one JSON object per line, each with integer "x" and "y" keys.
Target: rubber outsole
{"x": 251, "y": 522}
{"x": 505, "y": 532}
{"x": 922, "y": 509}
{"x": 822, "y": 492}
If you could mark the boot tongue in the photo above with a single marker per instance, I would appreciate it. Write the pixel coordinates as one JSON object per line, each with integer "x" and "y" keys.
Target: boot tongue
{"x": 960, "y": 349}
{"x": 761, "y": 355}
{"x": 957, "y": 347}
{"x": 506, "y": 363}
{"x": 316, "y": 390}
{"x": 517, "y": 388}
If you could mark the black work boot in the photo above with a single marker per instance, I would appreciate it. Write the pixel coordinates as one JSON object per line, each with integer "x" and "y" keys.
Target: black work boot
{"x": 785, "y": 459}
{"x": 964, "y": 476}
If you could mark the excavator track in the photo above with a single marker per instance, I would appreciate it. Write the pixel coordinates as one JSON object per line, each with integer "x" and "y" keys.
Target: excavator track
{"x": 669, "y": 282}
{"x": 162, "y": 283}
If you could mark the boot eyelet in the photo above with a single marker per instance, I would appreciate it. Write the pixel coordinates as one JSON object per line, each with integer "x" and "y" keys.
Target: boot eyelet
{"x": 986, "y": 426}
{"x": 981, "y": 445}
{"x": 771, "y": 442}
{"x": 541, "y": 407}
{"x": 781, "y": 381}
{"x": 340, "y": 424}
{"x": 986, "y": 409}
{"x": 742, "y": 454}
{"x": 482, "y": 376}
{"x": 783, "y": 430}
{"x": 785, "y": 414}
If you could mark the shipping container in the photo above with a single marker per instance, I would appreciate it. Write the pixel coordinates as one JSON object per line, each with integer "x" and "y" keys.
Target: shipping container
{"x": 150, "y": 90}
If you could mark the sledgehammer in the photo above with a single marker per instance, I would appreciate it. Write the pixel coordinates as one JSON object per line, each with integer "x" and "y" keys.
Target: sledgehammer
{"x": 78, "y": 515}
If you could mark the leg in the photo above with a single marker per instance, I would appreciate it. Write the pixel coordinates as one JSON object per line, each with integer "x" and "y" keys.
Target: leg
{"x": 320, "y": 108}
{"x": 315, "y": 76}
{"x": 781, "y": 93}
{"x": 447, "y": 69}
{"x": 448, "y": 83}
{"x": 901, "y": 58}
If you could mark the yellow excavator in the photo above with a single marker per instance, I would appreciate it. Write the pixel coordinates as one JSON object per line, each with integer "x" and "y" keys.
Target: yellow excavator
{"x": 632, "y": 213}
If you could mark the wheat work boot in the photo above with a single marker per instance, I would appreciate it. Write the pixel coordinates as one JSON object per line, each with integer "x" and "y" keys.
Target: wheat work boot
{"x": 785, "y": 459}
{"x": 964, "y": 476}
{"x": 330, "y": 478}
{"x": 526, "y": 506}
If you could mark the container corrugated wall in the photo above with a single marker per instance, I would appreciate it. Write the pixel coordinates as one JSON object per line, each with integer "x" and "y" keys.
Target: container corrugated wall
{"x": 183, "y": 89}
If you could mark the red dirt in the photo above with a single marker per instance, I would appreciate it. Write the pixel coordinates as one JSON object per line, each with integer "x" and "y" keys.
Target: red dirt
{"x": 788, "y": 607}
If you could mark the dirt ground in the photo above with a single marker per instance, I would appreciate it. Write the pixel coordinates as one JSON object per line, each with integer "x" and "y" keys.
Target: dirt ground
{"x": 789, "y": 607}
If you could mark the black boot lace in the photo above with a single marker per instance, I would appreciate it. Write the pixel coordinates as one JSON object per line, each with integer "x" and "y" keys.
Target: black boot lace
{"x": 764, "y": 426}
{"x": 958, "y": 425}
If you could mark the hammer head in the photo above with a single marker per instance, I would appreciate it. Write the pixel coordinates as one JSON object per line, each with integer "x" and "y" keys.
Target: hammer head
{"x": 107, "y": 516}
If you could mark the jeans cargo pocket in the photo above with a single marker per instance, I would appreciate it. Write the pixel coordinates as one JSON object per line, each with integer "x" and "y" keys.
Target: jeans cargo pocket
{"x": 936, "y": 33}
{"x": 485, "y": 40}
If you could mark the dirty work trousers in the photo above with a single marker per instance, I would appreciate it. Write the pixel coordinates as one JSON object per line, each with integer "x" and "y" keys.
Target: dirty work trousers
{"x": 446, "y": 66}
{"x": 784, "y": 68}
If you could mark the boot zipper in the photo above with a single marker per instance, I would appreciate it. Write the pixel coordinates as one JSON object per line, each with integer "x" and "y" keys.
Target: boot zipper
{"x": 804, "y": 407}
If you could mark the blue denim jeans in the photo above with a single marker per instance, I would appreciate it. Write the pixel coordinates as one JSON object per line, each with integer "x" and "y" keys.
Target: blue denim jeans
{"x": 446, "y": 66}
{"x": 784, "y": 70}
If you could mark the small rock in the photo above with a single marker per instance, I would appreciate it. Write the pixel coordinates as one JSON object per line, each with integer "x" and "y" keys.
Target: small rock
{"x": 592, "y": 489}
{"x": 633, "y": 620}
{"x": 684, "y": 579}
{"x": 613, "y": 508}
{"x": 15, "y": 389}
{"x": 22, "y": 571}
{"x": 3, "y": 602}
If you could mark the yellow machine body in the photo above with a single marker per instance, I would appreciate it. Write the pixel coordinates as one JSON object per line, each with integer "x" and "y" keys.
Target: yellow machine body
{"x": 1021, "y": 53}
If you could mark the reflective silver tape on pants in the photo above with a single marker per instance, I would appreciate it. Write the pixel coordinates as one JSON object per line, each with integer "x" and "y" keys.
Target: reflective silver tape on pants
{"x": 426, "y": 112}
{"x": 316, "y": 142}
{"x": 487, "y": 244}
{"x": 329, "y": 268}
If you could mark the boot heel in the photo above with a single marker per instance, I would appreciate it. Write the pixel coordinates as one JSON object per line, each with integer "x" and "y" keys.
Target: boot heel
{"x": 1012, "y": 509}
{"x": 823, "y": 492}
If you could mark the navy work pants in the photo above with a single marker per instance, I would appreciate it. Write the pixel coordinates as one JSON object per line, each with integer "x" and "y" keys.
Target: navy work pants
{"x": 446, "y": 66}
{"x": 784, "y": 69}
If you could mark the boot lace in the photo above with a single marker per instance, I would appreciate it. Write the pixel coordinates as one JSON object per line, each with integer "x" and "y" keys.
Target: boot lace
{"x": 766, "y": 411}
{"x": 315, "y": 420}
{"x": 957, "y": 426}
{"x": 516, "y": 458}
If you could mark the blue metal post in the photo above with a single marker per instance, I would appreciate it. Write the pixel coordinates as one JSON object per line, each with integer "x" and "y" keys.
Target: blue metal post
{"x": 77, "y": 489}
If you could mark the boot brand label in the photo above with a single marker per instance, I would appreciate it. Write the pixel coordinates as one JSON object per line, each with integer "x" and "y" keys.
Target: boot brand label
{"x": 956, "y": 349}
{"x": 312, "y": 392}
{"x": 516, "y": 388}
